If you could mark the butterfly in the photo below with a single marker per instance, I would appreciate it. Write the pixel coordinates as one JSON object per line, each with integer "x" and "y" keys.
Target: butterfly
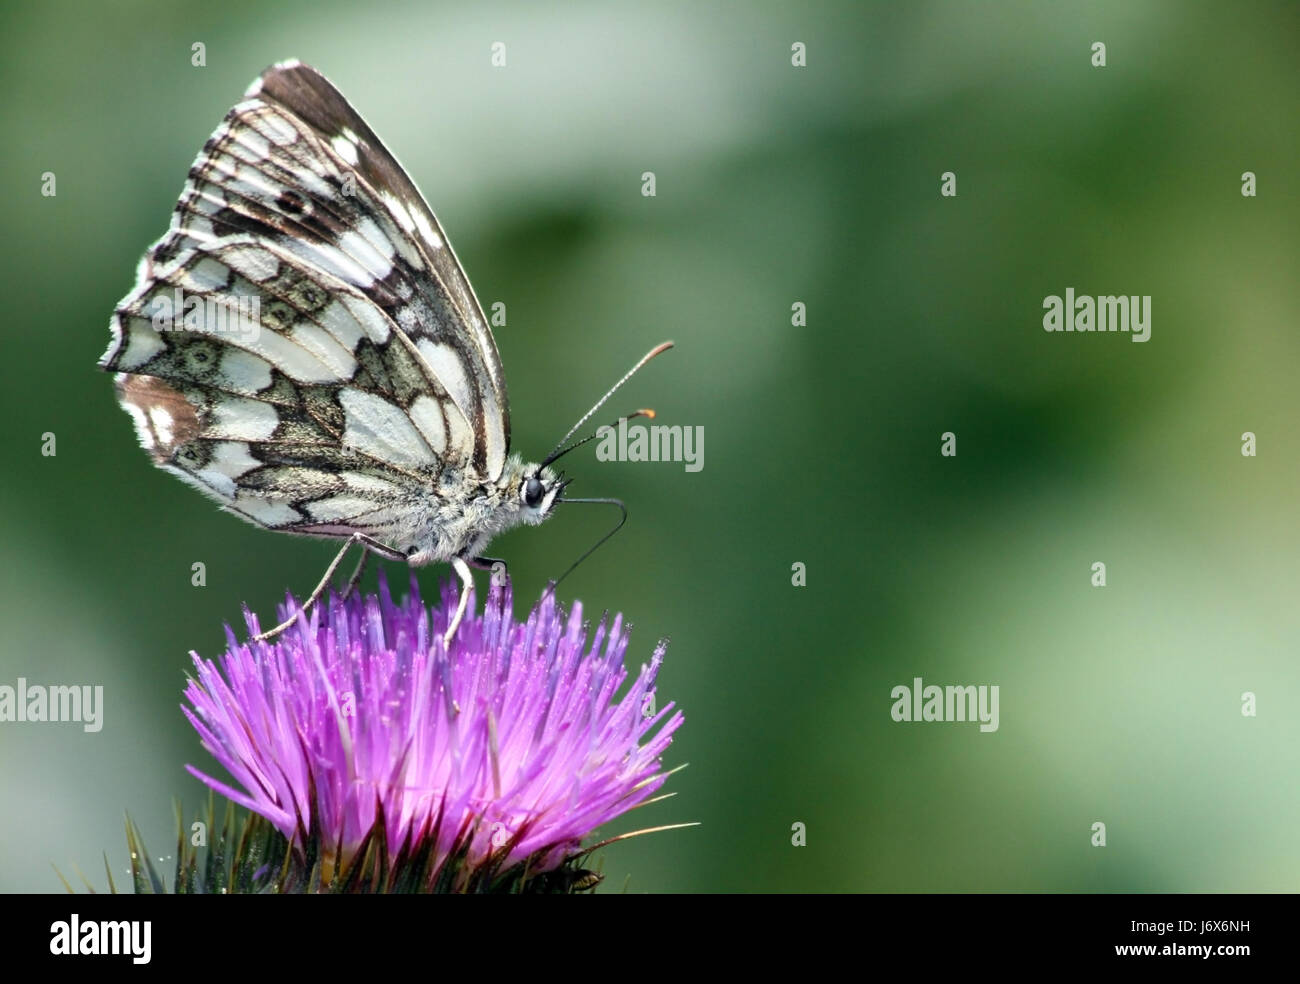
{"x": 303, "y": 346}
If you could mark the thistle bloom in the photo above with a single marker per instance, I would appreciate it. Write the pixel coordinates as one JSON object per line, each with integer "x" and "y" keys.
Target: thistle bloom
{"x": 357, "y": 724}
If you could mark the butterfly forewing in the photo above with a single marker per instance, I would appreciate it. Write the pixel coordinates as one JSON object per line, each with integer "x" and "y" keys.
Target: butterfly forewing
{"x": 327, "y": 361}
{"x": 304, "y": 93}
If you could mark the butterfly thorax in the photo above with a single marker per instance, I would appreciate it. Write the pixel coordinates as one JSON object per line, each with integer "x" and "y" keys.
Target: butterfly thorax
{"x": 461, "y": 518}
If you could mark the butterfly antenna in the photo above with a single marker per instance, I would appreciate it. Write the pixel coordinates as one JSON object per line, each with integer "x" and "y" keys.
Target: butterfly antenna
{"x": 598, "y": 543}
{"x": 560, "y": 449}
{"x": 591, "y": 437}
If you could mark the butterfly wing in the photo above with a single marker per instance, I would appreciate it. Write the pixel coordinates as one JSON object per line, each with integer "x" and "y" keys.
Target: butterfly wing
{"x": 302, "y": 344}
{"x": 452, "y": 319}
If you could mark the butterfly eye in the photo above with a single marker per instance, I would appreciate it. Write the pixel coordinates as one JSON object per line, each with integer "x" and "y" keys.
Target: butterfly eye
{"x": 533, "y": 491}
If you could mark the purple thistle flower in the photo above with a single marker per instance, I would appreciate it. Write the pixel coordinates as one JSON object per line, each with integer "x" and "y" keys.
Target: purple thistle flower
{"x": 511, "y": 747}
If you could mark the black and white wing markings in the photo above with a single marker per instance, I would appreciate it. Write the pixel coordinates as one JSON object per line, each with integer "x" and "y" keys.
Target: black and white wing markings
{"x": 284, "y": 403}
{"x": 304, "y": 93}
{"x": 219, "y": 443}
{"x": 361, "y": 201}
{"x": 368, "y": 366}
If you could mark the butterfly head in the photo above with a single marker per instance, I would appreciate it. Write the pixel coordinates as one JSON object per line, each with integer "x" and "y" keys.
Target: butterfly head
{"x": 536, "y": 491}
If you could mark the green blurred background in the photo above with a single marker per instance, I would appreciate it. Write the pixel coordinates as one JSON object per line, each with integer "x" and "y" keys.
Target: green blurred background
{"x": 775, "y": 184}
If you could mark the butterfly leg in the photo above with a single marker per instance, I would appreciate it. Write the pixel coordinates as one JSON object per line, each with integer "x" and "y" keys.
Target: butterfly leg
{"x": 466, "y": 586}
{"x": 356, "y": 575}
{"x": 367, "y": 544}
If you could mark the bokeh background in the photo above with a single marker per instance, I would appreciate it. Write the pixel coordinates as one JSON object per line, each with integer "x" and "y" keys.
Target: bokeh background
{"x": 775, "y": 184}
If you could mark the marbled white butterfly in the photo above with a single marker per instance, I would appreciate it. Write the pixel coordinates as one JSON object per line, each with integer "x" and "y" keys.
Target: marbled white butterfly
{"x": 303, "y": 346}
